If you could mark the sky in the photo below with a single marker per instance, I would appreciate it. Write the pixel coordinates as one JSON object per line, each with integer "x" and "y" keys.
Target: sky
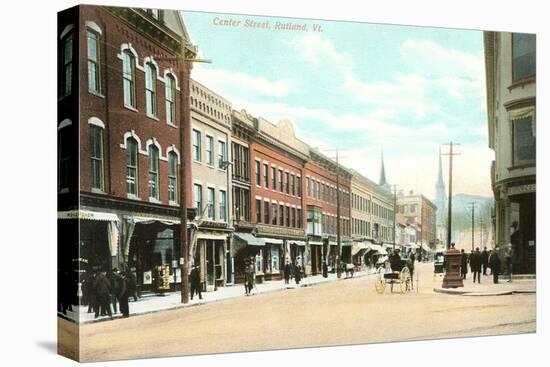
{"x": 362, "y": 88}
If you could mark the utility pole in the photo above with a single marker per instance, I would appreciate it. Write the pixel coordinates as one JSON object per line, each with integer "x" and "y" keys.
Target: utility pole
{"x": 338, "y": 240}
{"x": 450, "y": 211}
{"x": 183, "y": 61}
{"x": 394, "y": 211}
{"x": 472, "y": 205}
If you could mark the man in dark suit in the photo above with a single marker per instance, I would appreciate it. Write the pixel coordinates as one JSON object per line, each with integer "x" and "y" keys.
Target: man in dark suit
{"x": 485, "y": 260}
{"x": 475, "y": 264}
{"x": 494, "y": 263}
{"x": 195, "y": 280}
{"x": 103, "y": 294}
{"x": 463, "y": 263}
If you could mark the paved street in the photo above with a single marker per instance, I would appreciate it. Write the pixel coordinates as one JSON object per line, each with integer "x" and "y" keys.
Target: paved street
{"x": 340, "y": 312}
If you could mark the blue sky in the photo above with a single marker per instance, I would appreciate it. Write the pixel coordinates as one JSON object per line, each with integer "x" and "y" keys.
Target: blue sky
{"x": 360, "y": 87}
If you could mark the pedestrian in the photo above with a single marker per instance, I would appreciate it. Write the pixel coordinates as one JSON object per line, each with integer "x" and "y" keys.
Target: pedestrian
{"x": 115, "y": 280}
{"x": 249, "y": 275}
{"x": 325, "y": 269}
{"x": 463, "y": 263}
{"x": 88, "y": 292}
{"x": 298, "y": 273}
{"x": 410, "y": 265}
{"x": 132, "y": 284}
{"x": 508, "y": 258}
{"x": 494, "y": 263}
{"x": 485, "y": 260}
{"x": 287, "y": 270}
{"x": 124, "y": 293}
{"x": 475, "y": 264}
{"x": 103, "y": 293}
{"x": 195, "y": 280}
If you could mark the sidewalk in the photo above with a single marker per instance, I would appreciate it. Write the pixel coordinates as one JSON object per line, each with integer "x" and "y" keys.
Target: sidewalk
{"x": 520, "y": 284}
{"x": 154, "y": 303}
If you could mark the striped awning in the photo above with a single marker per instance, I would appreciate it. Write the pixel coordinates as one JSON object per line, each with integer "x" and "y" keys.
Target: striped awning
{"x": 249, "y": 239}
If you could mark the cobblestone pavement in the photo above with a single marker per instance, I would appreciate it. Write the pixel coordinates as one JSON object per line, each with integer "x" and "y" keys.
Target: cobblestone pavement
{"x": 335, "y": 313}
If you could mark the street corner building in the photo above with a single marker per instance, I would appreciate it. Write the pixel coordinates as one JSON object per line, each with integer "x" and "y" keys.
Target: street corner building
{"x": 510, "y": 65}
{"x": 123, "y": 135}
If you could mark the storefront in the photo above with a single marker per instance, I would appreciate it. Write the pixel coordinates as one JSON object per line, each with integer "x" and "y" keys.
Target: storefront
{"x": 152, "y": 252}
{"x": 270, "y": 257}
{"x": 358, "y": 251}
{"x": 99, "y": 238}
{"x": 316, "y": 256}
{"x": 247, "y": 246}
{"x": 210, "y": 256}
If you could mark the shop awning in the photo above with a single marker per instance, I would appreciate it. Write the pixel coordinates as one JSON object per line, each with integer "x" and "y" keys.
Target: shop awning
{"x": 272, "y": 241}
{"x": 211, "y": 236}
{"x": 297, "y": 243}
{"x": 249, "y": 239}
{"x": 377, "y": 248}
{"x": 149, "y": 220}
{"x": 358, "y": 247}
{"x": 315, "y": 243}
{"x": 333, "y": 243}
{"x": 426, "y": 248}
{"x": 87, "y": 215}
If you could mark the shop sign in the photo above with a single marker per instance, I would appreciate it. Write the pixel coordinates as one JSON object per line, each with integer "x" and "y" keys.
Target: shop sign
{"x": 522, "y": 189}
{"x": 147, "y": 277}
{"x": 165, "y": 277}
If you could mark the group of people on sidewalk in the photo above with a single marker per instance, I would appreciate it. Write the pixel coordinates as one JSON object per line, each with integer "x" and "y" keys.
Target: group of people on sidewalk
{"x": 480, "y": 261}
{"x": 101, "y": 290}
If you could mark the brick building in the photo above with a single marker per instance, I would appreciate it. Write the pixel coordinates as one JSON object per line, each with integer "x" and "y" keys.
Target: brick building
{"x": 419, "y": 212}
{"x": 120, "y": 105}
{"x": 321, "y": 203}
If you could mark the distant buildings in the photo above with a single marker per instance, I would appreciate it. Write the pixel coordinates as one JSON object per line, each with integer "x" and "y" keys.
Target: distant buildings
{"x": 510, "y": 64}
{"x": 417, "y": 211}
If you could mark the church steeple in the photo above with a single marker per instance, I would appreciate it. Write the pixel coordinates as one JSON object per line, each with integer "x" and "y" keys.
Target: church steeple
{"x": 441, "y": 196}
{"x": 440, "y": 173}
{"x": 383, "y": 182}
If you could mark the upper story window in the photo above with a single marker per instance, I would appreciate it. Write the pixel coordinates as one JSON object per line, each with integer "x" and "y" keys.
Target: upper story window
{"x": 93, "y": 62}
{"x": 129, "y": 77}
{"x": 523, "y": 136}
{"x": 209, "y": 150}
{"x": 132, "y": 167}
{"x": 196, "y": 145}
{"x": 222, "y": 154}
{"x": 153, "y": 172}
{"x": 67, "y": 64}
{"x": 211, "y": 204}
{"x": 258, "y": 173}
{"x": 96, "y": 148}
{"x": 64, "y": 157}
{"x": 170, "y": 99}
{"x": 172, "y": 177}
{"x": 150, "y": 90}
{"x": 524, "y": 56}
{"x": 198, "y": 198}
{"x": 266, "y": 176}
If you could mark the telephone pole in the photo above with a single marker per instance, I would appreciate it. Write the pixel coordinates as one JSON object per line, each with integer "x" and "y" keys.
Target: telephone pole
{"x": 472, "y": 206}
{"x": 450, "y": 204}
{"x": 188, "y": 55}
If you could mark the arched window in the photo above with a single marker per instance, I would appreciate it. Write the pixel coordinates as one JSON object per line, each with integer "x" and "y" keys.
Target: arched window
{"x": 96, "y": 155}
{"x": 150, "y": 89}
{"x": 93, "y": 61}
{"x": 129, "y": 77}
{"x": 172, "y": 177}
{"x": 67, "y": 64}
{"x": 170, "y": 99}
{"x": 153, "y": 172}
{"x": 132, "y": 167}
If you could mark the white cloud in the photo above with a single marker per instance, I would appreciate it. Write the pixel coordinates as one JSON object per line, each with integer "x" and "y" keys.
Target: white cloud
{"x": 227, "y": 82}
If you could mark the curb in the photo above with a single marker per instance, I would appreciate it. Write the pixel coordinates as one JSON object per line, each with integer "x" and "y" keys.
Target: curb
{"x": 171, "y": 308}
{"x": 481, "y": 294}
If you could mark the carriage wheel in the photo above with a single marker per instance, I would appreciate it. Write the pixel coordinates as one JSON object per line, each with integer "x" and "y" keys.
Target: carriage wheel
{"x": 405, "y": 280}
{"x": 379, "y": 282}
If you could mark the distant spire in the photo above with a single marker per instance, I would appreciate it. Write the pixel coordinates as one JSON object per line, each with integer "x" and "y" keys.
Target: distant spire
{"x": 382, "y": 181}
{"x": 440, "y": 172}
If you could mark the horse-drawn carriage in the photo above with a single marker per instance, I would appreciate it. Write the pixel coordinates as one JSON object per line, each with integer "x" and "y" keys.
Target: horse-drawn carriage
{"x": 439, "y": 263}
{"x": 395, "y": 271}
